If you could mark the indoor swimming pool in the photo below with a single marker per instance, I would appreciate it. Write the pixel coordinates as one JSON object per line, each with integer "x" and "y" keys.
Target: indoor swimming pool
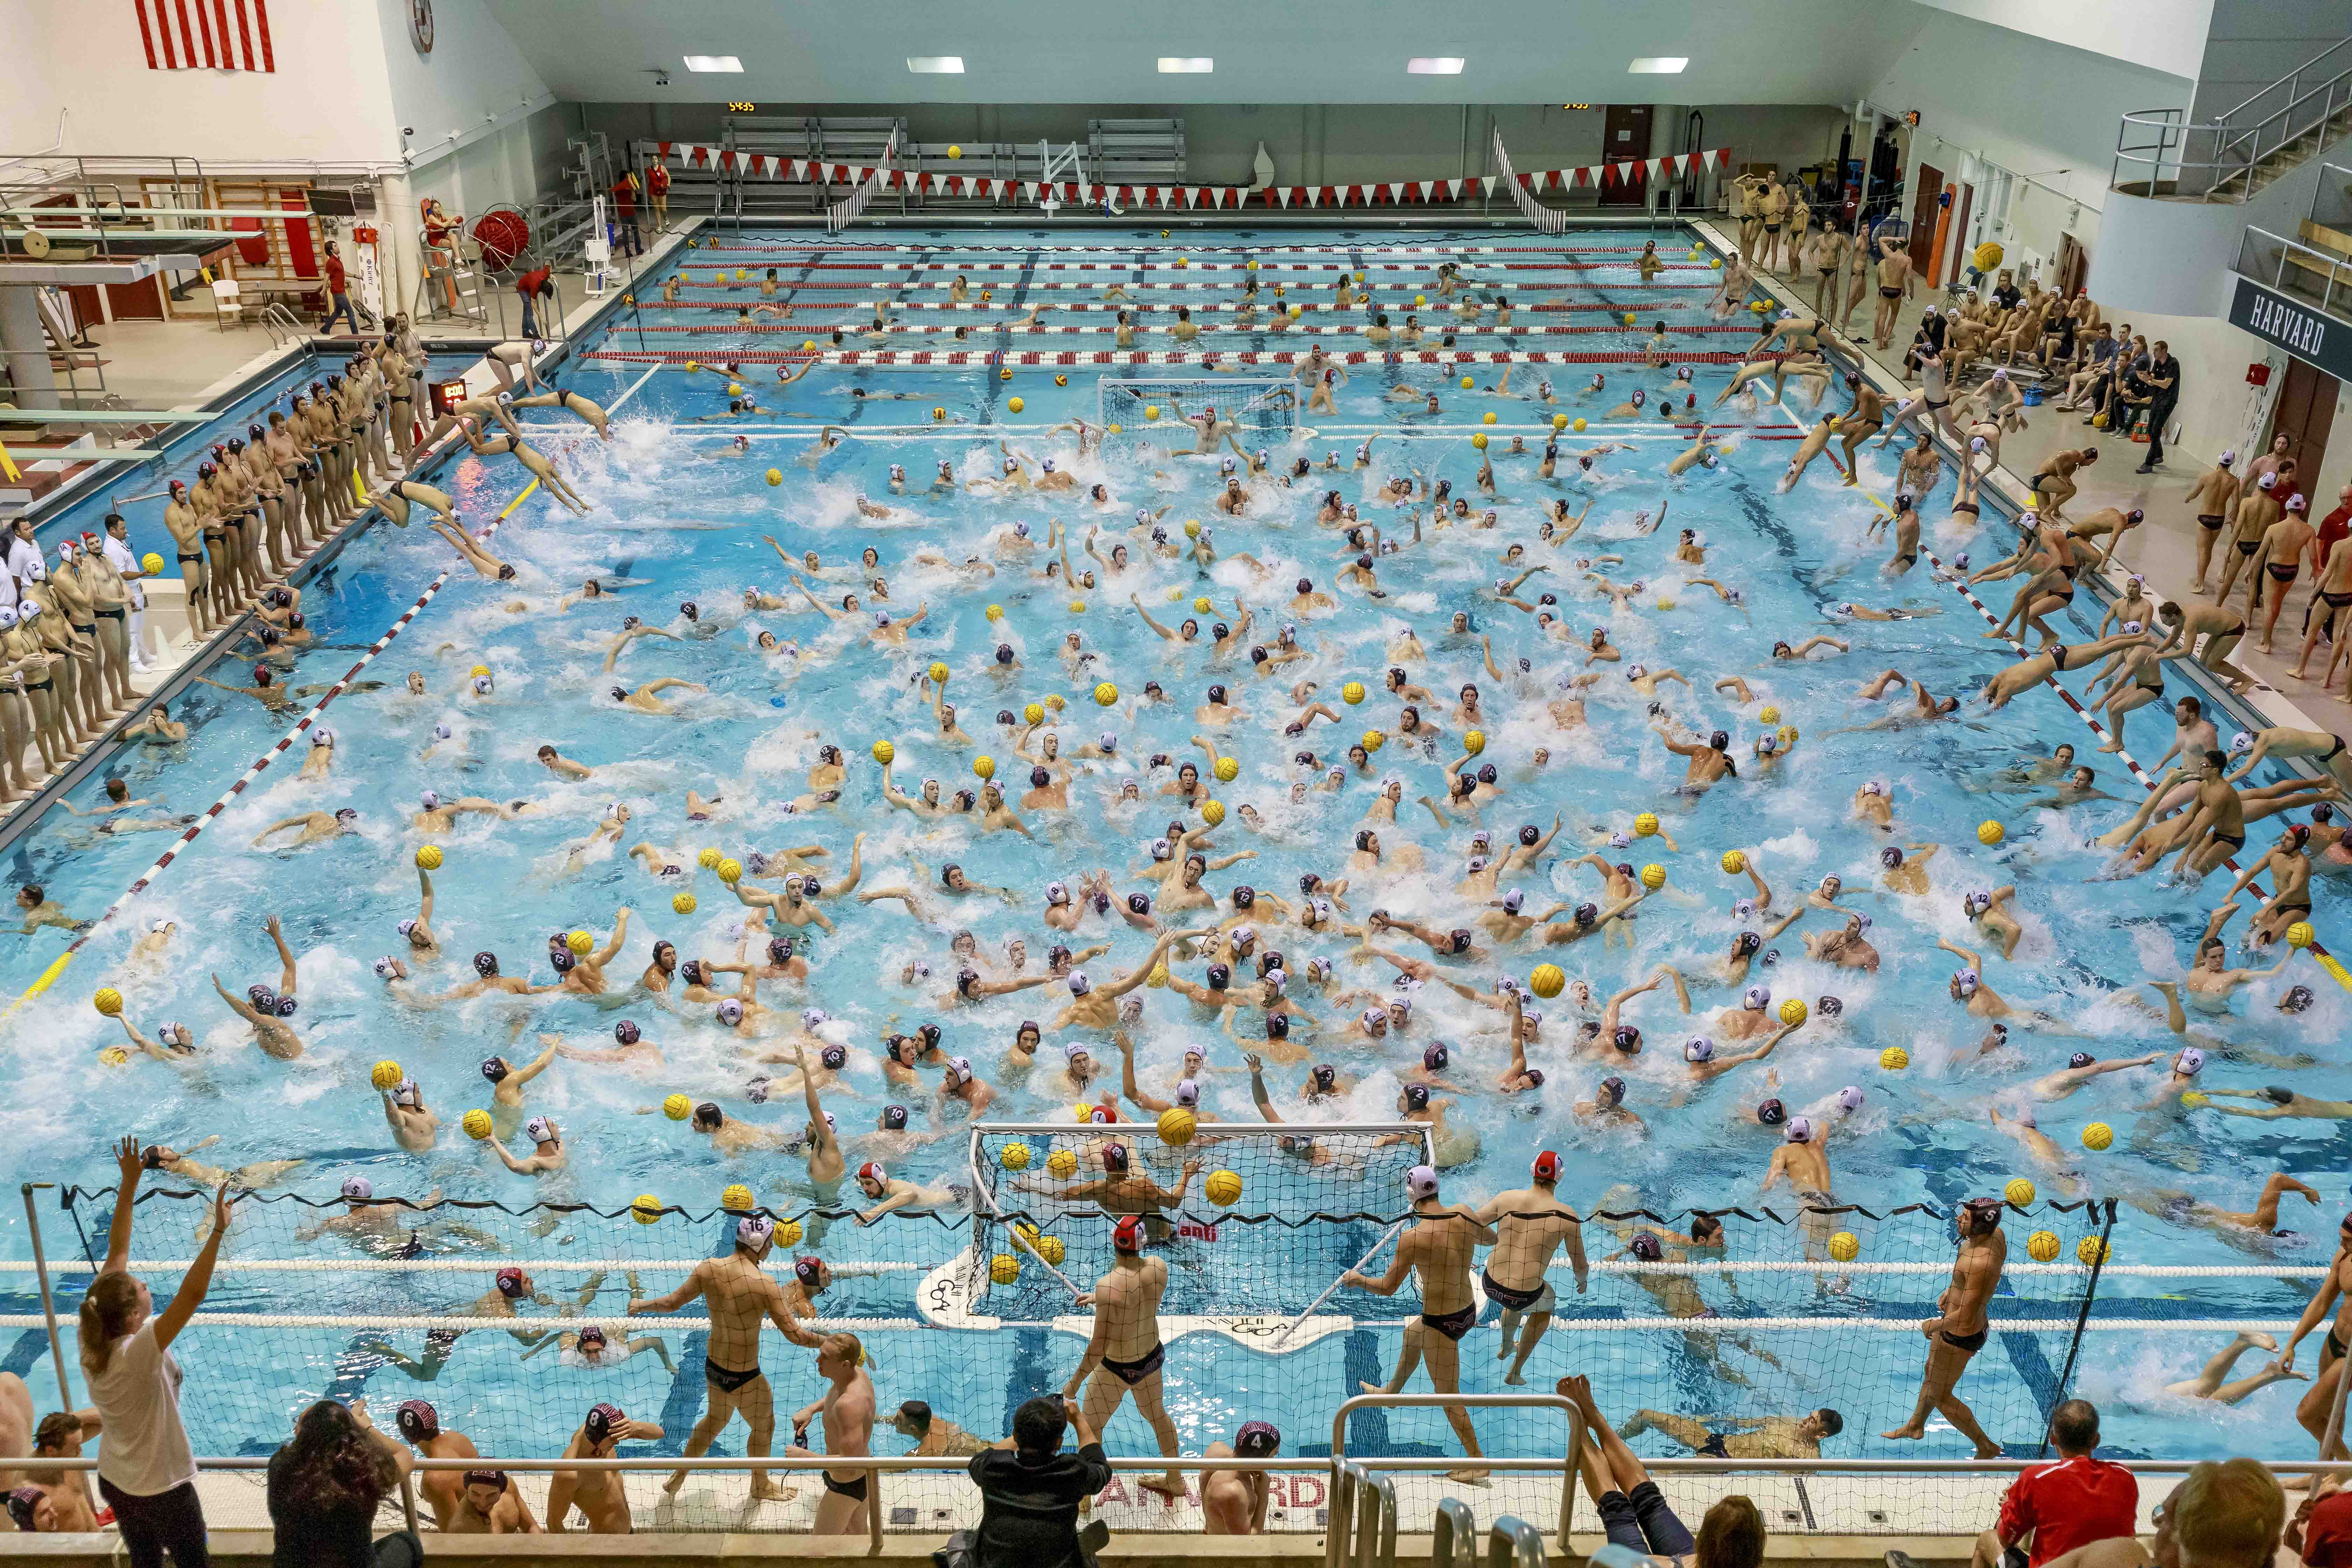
{"x": 759, "y": 552}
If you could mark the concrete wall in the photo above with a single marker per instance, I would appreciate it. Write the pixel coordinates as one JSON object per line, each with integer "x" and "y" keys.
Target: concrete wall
{"x": 1311, "y": 144}
{"x": 2157, "y": 35}
{"x": 2253, "y": 43}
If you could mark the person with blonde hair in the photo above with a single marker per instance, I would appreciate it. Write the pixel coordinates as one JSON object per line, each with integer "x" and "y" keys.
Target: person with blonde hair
{"x": 146, "y": 1468}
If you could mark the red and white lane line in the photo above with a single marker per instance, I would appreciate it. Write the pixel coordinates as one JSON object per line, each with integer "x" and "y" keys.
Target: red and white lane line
{"x": 952, "y": 357}
{"x": 1650, "y": 308}
{"x": 854, "y": 326}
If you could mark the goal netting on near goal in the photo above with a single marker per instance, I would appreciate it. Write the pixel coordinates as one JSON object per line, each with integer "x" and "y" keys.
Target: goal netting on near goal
{"x": 1255, "y": 1222}
{"x": 1263, "y": 413}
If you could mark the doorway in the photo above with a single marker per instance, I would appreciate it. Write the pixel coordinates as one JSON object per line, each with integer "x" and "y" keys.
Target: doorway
{"x": 1924, "y": 212}
{"x": 2074, "y": 265}
{"x": 2304, "y": 411}
{"x": 1625, "y": 138}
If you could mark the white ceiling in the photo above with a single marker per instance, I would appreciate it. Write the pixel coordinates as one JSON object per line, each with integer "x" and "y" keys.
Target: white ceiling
{"x": 1062, "y": 51}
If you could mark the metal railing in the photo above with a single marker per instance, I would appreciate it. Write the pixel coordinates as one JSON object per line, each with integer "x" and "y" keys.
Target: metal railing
{"x": 2321, "y": 279}
{"x": 1345, "y": 1492}
{"x": 2159, "y": 152}
{"x": 1372, "y": 1501}
{"x": 1514, "y": 1543}
{"x": 1456, "y": 1528}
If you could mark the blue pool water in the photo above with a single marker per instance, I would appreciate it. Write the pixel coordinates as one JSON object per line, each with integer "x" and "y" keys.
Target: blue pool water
{"x": 680, "y": 515}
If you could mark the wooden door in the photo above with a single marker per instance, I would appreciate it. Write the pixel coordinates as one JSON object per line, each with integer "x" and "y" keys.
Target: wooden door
{"x": 2305, "y": 413}
{"x": 1625, "y": 137}
{"x": 1924, "y": 211}
{"x": 1963, "y": 213}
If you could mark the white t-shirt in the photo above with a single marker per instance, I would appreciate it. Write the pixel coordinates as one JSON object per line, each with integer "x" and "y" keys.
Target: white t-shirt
{"x": 144, "y": 1450}
{"x": 118, "y": 555}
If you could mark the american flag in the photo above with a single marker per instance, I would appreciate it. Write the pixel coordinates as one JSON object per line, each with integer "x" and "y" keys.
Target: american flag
{"x": 207, "y": 34}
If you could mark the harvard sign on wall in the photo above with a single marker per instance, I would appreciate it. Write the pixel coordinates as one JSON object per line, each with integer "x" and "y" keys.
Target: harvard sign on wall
{"x": 2290, "y": 324}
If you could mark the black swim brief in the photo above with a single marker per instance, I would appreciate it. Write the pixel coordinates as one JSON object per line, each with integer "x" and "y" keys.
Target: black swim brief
{"x": 852, "y": 1489}
{"x": 726, "y": 1379}
{"x": 1131, "y": 1372}
{"x": 1968, "y": 1343}
{"x": 1452, "y": 1325}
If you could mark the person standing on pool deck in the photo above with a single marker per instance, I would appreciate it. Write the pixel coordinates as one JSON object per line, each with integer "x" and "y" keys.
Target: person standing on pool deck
{"x": 1530, "y": 1226}
{"x": 740, "y": 1294}
{"x": 1127, "y": 1321}
{"x": 1437, "y": 1250}
{"x": 847, "y": 1406}
{"x": 2335, "y": 1292}
{"x": 1959, "y": 1328}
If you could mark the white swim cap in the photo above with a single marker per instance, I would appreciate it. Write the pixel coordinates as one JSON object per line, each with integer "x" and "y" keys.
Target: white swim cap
{"x": 730, "y": 1012}
{"x": 1968, "y": 981}
{"x": 1620, "y": 841}
{"x": 1698, "y": 1049}
{"x": 2242, "y": 743}
{"x": 1188, "y": 1094}
{"x": 432, "y": 801}
{"x": 441, "y": 732}
{"x": 357, "y": 1187}
{"x": 1421, "y": 1181}
{"x": 1799, "y": 1129}
{"x": 1056, "y": 893}
{"x": 322, "y": 736}
{"x": 1757, "y": 998}
{"x": 959, "y": 1069}
{"x": 2190, "y": 1060}
{"x": 812, "y": 1016}
{"x": 538, "y": 1130}
{"x": 2133, "y": 628}
{"x": 1079, "y": 984}
{"x": 1849, "y": 1098}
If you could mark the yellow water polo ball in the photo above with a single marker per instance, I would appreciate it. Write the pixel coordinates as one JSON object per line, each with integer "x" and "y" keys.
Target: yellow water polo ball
{"x": 115, "y": 1056}
{"x": 1033, "y": 712}
{"x": 1359, "y": 275}
{"x": 2092, "y": 1251}
{"x": 985, "y": 766}
{"x": 1083, "y": 1112}
{"x": 1175, "y": 594}
{"x": 1251, "y": 266}
{"x": 1105, "y": 694}
{"x": 1050, "y": 1249}
{"x": 995, "y": 611}
{"x": 1845, "y": 1247}
{"x": 939, "y": 672}
{"x": 734, "y": 389}
{"x": 1352, "y": 693}
{"x": 1788, "y": 734}
{"x": 775, "y": 476}
{"x": 1151, "y": 411}
{"x": 954, "y": 151}
{"x": 1224, "y": 1187}
{"x": 1013, "y": 1156}
{"x": 807, "y": 345}
{"x": 1756, "y": 306}
{"x": 1474, "y": 741}
{"x": 737, "y": 1199}
{"x": 1213, "y": 811}
{"x": 1181, "y": 262}
{"x": 1770, "y": 715}
{"x": 1894, "y": 1059}
{"x": 1580, "y": 422}
{"x": 2099, "y": 1135}
{"x": 1792, "y": 1011}
{"x": 2194, "y": 1098}
{"x": 690, "y": 365}
{"x": 1734, "y": 862}
{"x": 1479, "y": 440}
{"x": 476, "y": 1124}
{"x": 787, "y": 1233}
{"x": 428, "y": 857}
{"x": 1646, "y": 825}
{"x": 678, "y": 1106}
{"x": 1006, "y": 373}
{"x": 2043, "y": 1246}
{"x": 151, "y": 563}
{"x": 1061, "y": 380}
{"x": 1373, "y": 740}
{"x": 884, "y": 752}
{"x": 1061, "y": 1164}
{"x": 2019, "y": 1192}
{"x": 1116, "y": 427}
{"x": 1014, "y": 404}
{"x": 1989, "y": 832}
{"x": 1192, "y": 528}
{"x": 1654, "y": 876}
{"x": 1226, "y": 769}
{"x": 1468, "y": 381}
{"x": 938, "y": 415}
{"x": 707, "y": 859}
{"x": 1176, "y": 1125}
{"x": 385, "y": 1074}
{"x": 1004, "y": 1268}
{"x": 682, "y": 904}
{"x": 2300, "y": 934}
{"x": 1295, "y": 310}
{"x": 109, "y": 1001}
{"x": 580, "y": 943}
{"x": 1158, "y": 978}
{"x": 647, "y": 1209}
{"x": 1202, "y": 605}
{"x": 1057, "y": 702}
{"x": 1547, "y": 980}
{"x": 1559, "y": 421}
{"x": 479, "y": 669}
{"x": 730, "y": 870}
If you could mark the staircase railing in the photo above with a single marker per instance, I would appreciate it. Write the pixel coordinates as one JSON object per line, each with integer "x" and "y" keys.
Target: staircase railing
{"x": 2160, "y": 152}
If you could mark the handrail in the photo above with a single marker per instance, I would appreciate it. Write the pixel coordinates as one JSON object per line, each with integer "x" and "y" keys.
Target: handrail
{"x": 2292, "y": 76}
{"x": 2335, "y": 296}
{"x": 2236, "y": 150}
{"x": 1513, "y": 1542}
{"x": 1456, "y": 1528}
{"x": 1340, "y": 1524}
{"x": 1375, "y": 1527}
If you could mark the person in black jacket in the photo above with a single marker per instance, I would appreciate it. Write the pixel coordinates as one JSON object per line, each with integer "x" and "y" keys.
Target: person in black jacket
{"x": 1031, "y": 1493}
{"x": 325, "y": 1486}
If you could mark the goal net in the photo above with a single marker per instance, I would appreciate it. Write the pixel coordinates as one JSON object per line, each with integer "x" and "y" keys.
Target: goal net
{"x": 1261, "y": 412}
{"x": 1256, "y": 1223}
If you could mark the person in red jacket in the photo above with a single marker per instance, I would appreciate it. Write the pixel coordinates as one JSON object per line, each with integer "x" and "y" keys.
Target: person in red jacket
{"x": 658, "y": 188}
{"x": 533, "y": 286}
{"x": 339, "y": 293}
{"x": 2069, "y": 1502}
{"x": 625, "y": 215}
